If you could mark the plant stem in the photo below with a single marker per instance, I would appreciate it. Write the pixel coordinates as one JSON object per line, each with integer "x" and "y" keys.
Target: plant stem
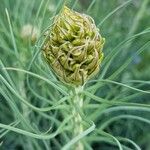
{"x": 78, "y": 104}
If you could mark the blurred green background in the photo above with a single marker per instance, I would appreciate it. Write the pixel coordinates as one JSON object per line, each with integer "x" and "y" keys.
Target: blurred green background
{"x": 22, "y": 23}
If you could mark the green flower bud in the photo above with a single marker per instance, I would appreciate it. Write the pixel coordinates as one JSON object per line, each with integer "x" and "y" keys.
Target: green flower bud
{"x": 73, "y": 48}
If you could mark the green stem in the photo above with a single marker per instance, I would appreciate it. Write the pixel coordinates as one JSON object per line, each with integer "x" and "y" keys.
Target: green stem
{"x": 77, "y": 105}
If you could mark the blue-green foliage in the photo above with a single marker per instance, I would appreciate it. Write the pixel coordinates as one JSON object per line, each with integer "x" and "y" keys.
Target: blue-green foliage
{"x": 35, "y": 112}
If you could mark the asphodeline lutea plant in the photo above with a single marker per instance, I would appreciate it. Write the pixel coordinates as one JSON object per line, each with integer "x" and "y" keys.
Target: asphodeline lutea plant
{"x": 73, "y": 50}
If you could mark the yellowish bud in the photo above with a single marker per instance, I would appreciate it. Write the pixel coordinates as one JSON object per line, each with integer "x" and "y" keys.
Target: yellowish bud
{"x": 73, "y": 48}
